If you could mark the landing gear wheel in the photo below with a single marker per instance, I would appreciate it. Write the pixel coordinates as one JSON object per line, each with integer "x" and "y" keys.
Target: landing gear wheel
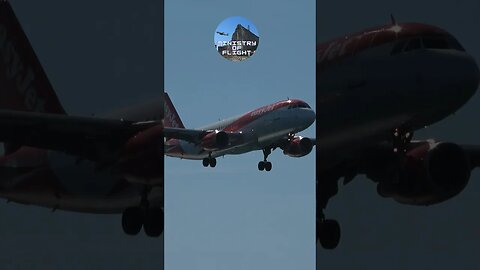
{"x": 153, "y": 226}
{"x": 213, "y": 162}
{"x": 206, "y": 162}
{"x": 265, "y": 165}
{"x": 328, "y": 233}
{"x": 209, "y": 161}
{"x": 268, "y": 166}
{"x": 261, "y": 166}
{"x": 132, "y": 220}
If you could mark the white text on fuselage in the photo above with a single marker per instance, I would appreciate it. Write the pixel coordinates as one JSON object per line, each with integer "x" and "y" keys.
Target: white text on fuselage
{"x": 337, "y": 49}
{"x": 262, "y": 110}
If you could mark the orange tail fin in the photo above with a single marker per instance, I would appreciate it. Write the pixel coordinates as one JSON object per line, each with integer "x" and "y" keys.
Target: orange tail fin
{"x": 24, "y": 86}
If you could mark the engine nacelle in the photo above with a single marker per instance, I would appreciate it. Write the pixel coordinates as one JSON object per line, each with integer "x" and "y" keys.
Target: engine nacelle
{"x": 431, "y": 173}
{"x": 215, "y": 140}
{"x": 298, "y": 146}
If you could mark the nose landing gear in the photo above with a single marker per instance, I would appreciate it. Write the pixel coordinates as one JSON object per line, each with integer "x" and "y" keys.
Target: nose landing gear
{"x": 328, "y": 230}
{"x": 328, "y": 233}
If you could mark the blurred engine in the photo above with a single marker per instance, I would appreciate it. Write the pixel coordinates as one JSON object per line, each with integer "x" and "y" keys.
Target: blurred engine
{"x": 430, "y": 173}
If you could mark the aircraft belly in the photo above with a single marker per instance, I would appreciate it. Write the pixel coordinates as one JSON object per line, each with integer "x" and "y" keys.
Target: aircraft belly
{"x": 40, "y": 186}
{"x": 78, "y": 176}
{"x": 113, "y": 203}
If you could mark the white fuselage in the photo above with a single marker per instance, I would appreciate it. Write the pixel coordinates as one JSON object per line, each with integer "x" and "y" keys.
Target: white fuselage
{"x": 362, "y": 98}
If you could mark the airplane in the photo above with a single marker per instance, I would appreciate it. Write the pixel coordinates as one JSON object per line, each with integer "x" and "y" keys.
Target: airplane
{"x": 222, "y": 33}
{"x": 374, "y": 89}
{"x": 105, "y": 165}
{"x": 266, "y": 128}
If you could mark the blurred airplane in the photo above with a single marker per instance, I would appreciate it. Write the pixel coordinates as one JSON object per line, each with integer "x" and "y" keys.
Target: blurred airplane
{"x": 85, "y": 164}
{"x": 374, "y": 89}
{"x": 222, "y": 33}
{"x": 266, "y": 128}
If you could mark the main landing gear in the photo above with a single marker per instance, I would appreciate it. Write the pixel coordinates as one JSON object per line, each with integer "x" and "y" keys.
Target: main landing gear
{"x": 151, "y": 218}
{"x": 209, "y": 161}
{"x": 265, "y": 165}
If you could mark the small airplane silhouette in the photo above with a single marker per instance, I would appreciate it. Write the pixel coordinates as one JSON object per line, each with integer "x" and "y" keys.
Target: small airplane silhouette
{"x": 222, "y": 33}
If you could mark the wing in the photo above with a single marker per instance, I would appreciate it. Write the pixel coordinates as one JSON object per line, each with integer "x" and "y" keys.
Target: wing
{"x": 87, "y": 137}
{"x": 208, "y": 139}
{"x": 189, "y": 135}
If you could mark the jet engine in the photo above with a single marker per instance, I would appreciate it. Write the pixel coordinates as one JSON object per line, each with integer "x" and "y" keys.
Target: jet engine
{"x": 430, "y": 173}
{"x": 298, "y": 146}
{"x": 215, "y": 140}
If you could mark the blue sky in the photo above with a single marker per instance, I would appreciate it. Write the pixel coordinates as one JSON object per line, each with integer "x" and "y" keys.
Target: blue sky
{"x": 234, "y": 216}
{"x": 228, "y": 26}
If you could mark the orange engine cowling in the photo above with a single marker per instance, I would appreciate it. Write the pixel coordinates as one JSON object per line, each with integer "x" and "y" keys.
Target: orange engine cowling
{"x": 430, "y": 173}
{"x": 215, "y": 140}
{"x": 298, "y": 146}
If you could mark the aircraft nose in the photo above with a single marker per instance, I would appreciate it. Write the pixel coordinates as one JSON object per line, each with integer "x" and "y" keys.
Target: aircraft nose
{"x": 460, "y": 79}
{"x": 311, "y": 116}
{"x": 471, "y": 76}
{"x": 476, "y": 76}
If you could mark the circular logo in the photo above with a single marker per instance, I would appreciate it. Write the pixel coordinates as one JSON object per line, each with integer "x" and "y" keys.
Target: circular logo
{"x": 236, "y": 38}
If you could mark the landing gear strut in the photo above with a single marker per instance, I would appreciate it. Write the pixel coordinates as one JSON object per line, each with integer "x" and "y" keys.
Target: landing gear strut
{"x": 151, "y": 218}
{"x": 328, "y": 230}
{"x": 209, "y": 161}
{"x": 401, "y": 139}
{"x": 265, "y": 165}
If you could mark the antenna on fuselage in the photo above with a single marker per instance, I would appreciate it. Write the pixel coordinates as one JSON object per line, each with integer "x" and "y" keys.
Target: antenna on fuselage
{"x": 394, "y": 22}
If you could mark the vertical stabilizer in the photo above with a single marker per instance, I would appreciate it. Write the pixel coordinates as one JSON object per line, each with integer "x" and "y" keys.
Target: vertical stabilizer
{"x": 24, "y": 85}
{"x": 171, "y": 116}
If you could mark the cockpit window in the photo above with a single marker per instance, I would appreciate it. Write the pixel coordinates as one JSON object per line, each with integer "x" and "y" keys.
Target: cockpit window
{"x": 299, "y": 105}
{"x": 413, "y": 44}
{"x": 455, "y": 44}
{"x": 435, "y": 43}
